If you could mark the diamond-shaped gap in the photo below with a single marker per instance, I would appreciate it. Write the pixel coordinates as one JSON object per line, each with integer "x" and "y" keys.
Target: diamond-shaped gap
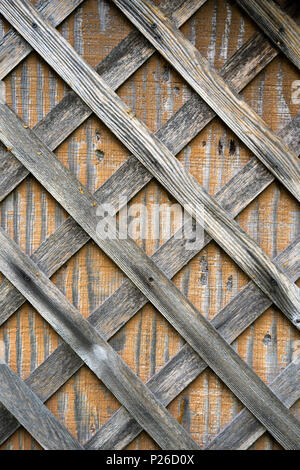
{"x": 92, "y": 153}
{"x": 153, "y": 216}
{"x": 83, "y": 404}
{"x": 147, "y": 342}
{"x": 157, "y": 80}
{"x": 203, "y": 409}
{"x": 155, "y": 92}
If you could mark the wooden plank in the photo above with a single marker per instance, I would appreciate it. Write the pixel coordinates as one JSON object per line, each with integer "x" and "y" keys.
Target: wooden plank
{"x": 244, "y": 430}
{"x": 127, "y": 300}
{"x": 132, "y": 175}
{"x": 13, "y": 48}
{"x": 194, "y": 328}
{"x": 102, "y": 359}
{"x": 117, "y": 67}
{"x": 174, "y": 377}
{"x": 242, "y": 120}
{"x": 277, "y": 25}
{"x": 154, "y": 155}
{"x": 184, "y": 367}
{"x": 30, "y": 411}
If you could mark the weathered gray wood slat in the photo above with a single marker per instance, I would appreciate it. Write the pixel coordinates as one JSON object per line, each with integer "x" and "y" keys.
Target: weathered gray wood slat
{"x": 13, "y": 48}
{"x": 197, "y": 331}
{"x": 153, "y": 154}
{"x": 174, "y": 377}
{"x": 127, "y": 300}
{"x": 64, "y": 118}
{"x": 102, "y": 359}
{"x": 235, "y": 112}
{"x": 185, "y": 366}
{"x": 32, "y": 413}
{"x": 132, "y": 175}
{"x": 278, "y": 25}
{"x": 243, "y": 430}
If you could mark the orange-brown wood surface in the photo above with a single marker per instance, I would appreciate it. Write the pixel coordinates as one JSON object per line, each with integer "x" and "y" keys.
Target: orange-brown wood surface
{"x": 210, "y": 280}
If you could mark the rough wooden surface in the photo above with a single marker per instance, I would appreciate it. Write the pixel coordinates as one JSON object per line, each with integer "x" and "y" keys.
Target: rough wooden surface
{"x": 32, "y": 414}
{"x": 156, "y": 157}
{"x": 13, "y": 48}
{"x": 115, "y": 68}
{"x": 279, "y": 26}
{"x": 247, "y": 124}
{"x": 152, "y": 282}
{"x": 99, "y": 356}
{"x": 110, "y": 316}
{"x": 210, "y": 279}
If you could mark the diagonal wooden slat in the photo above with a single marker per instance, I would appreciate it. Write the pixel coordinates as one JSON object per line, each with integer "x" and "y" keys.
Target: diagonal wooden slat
{"x": 132, "y": 176}
{"x": 123, "y": 60}
{"x": 185, "y": 366}
{"x": 277, "y": 24}
{"x": 100, "y": 357}
{"x": 32, "y": 413}
{"x": 13, "y": 48}
{"x": 153, "y": 154}
{"x": 240, "y": 434}
{"x": 195, "y": 69}
{"x": 197, "y": 331}
{"x": 243, "y": 430}
{"x": 127, "y": 300}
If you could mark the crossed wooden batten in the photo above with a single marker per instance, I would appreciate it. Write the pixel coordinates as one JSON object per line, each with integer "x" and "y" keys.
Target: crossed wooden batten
{"x": 151, "y": 276}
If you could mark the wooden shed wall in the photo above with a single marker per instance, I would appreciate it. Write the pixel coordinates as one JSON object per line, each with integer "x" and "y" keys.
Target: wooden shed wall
{"x": 210, "y": 280}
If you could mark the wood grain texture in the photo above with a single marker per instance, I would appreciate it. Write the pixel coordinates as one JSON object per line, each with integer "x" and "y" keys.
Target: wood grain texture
{"x": 117, "y": 67}
{"x": 243, "y": 431}
{"x": 197, "y": 331}
{"x": 13, "y": 48}
{"x": 185, "y": 366}
{"x": 276, "y": 24}
{"x": 132, "y": 176}
{"x": 82, "y": 404}
{"x": 154, "y": 155}
{"x": 127, "y": 300}
{"x": 32, "y": 413}
{"x": 177, "y": 374}
{"x": 187, "y": 60}
{"x": 91, "y": 348}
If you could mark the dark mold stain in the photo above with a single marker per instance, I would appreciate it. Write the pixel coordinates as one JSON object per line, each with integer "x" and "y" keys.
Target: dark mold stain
{"x": 267, "y": 339}
{"x": 232, "y": 147}
{"x": 166, "y": 73}
{"x": 220, "y": 147}
{"x": 229, "y": 283}
{"x": 100, "y": 155}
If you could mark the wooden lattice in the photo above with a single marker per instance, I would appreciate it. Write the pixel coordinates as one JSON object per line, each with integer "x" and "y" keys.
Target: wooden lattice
{"x": 27, "y": 278}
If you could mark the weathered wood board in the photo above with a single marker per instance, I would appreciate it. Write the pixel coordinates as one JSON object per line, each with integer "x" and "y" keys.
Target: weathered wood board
{"x": 210, "y": 280}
